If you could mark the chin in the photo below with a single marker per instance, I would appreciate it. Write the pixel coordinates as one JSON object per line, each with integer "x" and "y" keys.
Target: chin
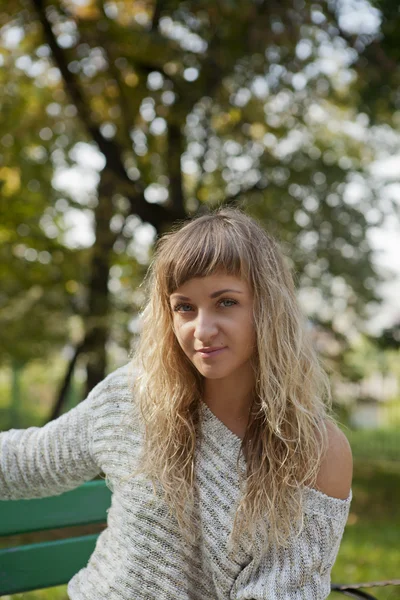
{"x": 213, "y": 373}
{"x": 212, "y": 376}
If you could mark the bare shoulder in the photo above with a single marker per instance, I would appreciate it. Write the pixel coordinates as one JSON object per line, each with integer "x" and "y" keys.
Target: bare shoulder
{"x": 336, "y": 469}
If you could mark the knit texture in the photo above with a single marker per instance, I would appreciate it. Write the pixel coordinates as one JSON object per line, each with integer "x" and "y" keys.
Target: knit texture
{"x": 142, "y": 554}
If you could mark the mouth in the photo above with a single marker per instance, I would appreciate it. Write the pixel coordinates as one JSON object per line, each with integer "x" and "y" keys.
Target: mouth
{"x": 209, "y": 352}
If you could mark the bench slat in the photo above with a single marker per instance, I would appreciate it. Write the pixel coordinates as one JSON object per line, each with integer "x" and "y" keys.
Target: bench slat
{"x": 43, "y": 565}
{"x": 85, "y": 505}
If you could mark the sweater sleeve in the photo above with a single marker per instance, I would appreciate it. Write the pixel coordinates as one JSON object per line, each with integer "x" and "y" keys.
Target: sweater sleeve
{"x": 49, "y": 460}
{"x": 302, "y": 570}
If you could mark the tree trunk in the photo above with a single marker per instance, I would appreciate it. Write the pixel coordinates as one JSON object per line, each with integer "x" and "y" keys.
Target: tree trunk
{"x": 62, "y": 394}
{"x": 97, "y": 326}
{"x": 96, "y": 323}
{"x": 16, "y": 370}
{"x": 174, "y": 157}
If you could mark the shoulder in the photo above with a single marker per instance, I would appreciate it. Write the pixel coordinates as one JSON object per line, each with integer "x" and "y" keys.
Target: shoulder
{"x": 336, "y": 469}
{"x": 121, "y": 378}
{"x": 115, "y": 388}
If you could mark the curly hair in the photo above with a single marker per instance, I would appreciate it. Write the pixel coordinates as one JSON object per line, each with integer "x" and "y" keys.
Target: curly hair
{"x": 286, "y": 434}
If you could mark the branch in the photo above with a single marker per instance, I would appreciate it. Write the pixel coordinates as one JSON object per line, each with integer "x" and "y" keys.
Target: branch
{"x": 173, "y": 159}
{"x": 127, "y": 110}
{"x": 234, "y": 199}
{"x": 156, "y": 214}
{"x": 156, "y": 15}
{"x": 109, "y": 148}
{"x": 112, "y": 152}
{"x": 62, "y": 393}
{"x": 383, "y": 61}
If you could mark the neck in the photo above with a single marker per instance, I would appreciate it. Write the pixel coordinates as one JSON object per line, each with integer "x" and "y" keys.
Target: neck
{"x": 232, "y": 398}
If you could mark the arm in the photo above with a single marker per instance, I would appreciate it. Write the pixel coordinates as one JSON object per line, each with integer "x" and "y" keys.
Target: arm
{"x": 49, "y": 460}
{"x": 302, "y": 570}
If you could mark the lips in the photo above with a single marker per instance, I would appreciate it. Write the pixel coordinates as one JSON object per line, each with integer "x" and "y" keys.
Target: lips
{"x": 209, "y": 352}
{"x": 211, "y": 349}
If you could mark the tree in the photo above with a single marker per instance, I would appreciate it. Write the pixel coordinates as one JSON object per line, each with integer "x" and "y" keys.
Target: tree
{"x": 389, "y": 338}
{"x": 192, "y": 105}
{"x": 378, "y": 67}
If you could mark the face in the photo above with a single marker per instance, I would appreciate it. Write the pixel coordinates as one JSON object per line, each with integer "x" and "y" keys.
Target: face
{"x": 213, "y": 323}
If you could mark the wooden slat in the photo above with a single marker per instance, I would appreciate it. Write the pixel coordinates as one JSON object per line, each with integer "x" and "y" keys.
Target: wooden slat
{"x": 84, "y": 505}
{"x": 43, "y": 565}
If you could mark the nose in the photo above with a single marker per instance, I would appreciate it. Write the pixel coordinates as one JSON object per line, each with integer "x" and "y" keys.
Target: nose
{"x": 205, "y": 327}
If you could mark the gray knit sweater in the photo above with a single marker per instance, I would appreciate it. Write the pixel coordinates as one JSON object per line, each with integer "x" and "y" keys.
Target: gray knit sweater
{"x": 142, "y": 554}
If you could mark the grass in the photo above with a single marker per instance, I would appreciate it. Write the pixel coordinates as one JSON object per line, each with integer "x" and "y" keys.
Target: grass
{"x": 367, "y": 443}
{"x": 55, "y": 593}
{"x": 370, "y": 549}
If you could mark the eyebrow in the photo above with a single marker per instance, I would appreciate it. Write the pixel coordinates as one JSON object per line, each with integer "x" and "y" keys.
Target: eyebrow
{"x": 213, "y": 295}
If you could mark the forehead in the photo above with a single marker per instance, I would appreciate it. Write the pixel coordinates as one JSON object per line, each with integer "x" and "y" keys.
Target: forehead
{"x": 198, "y": 251}
{"x": 213, "y": 283}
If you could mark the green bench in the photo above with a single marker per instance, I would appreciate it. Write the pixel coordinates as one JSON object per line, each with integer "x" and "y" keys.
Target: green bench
{"x": 51, "y": 563}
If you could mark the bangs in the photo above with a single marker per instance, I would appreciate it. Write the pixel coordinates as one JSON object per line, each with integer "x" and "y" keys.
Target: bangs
{"x": 201, "y": 249}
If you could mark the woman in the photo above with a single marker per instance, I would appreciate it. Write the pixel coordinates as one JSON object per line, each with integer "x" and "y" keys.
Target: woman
{"x": 229, "y": 479}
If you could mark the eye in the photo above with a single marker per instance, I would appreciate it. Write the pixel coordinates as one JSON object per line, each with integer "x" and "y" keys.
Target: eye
{"x": 182, "y": 308}
{"x": 227, "y": 302}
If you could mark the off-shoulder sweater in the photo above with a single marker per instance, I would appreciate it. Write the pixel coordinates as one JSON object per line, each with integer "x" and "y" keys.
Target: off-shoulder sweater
{"x": 142, "y": 553}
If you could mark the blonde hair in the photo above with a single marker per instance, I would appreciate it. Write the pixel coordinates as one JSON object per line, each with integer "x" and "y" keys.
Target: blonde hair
{"x": 286, "y": 435}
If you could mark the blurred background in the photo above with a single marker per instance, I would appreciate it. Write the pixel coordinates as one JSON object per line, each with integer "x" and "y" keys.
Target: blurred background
{"x": 119, "y": 118}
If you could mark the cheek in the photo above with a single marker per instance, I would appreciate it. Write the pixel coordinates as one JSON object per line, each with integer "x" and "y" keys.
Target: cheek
{"x": 251, "y": 333}
{"x": 183, "y": 343}
{"x": 179, "y": 332}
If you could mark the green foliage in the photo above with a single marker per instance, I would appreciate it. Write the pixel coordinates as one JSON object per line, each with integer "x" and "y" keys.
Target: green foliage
{"x": 254, "y": 92}
{"x": 34, "y": 264}
{"x": 54, "y": 593}
{"x": 370, "y": 548}
{"x": 390, "y": 337}
{"x": 376, "y": 444}
{"x": 38, "y": 383}
{"x": 367, "y": 356}
{"x": 191, "y": 105}
{"x": 379, "y": 70}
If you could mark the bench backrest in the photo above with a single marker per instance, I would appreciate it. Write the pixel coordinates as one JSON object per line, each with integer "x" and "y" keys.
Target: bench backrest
{"x": 50, "y": 563}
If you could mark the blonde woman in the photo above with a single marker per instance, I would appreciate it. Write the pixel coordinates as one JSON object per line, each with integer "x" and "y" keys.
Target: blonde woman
{"x": 229, "y": 478}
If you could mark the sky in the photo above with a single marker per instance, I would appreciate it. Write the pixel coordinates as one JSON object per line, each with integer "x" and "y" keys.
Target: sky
{"x": 386, "y": 244}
